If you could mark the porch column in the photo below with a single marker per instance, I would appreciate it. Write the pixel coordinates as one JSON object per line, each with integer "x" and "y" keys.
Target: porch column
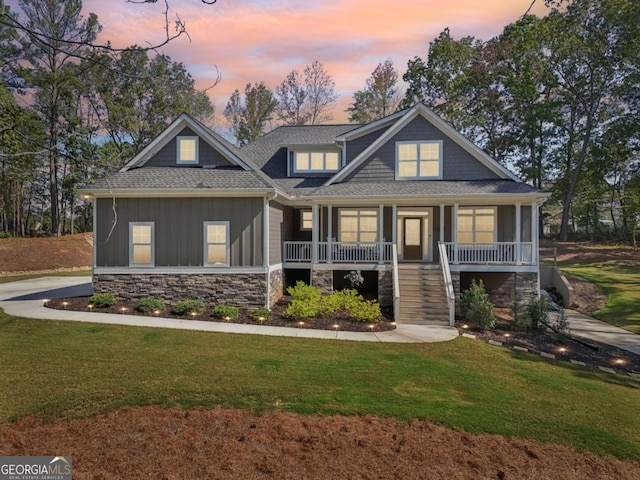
{"x": 454, "y": 230}
{"x": 442, "y": 223}
{"x": 535, "y": 235}
{"x": 518, "y": 233}
{"x": 380, "y": 233}
{"x": 329, "y": 233}
{"x": 315, "y": 231}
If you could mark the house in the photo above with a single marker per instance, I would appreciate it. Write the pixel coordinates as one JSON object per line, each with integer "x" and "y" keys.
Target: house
{"x": 406, "y": 200}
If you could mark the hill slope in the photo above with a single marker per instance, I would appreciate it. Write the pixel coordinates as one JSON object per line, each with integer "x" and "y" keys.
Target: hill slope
{"x": 19, "y": 255}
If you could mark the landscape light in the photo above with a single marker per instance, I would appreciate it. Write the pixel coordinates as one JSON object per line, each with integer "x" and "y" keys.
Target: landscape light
{"x": 619, "y": 361}
{"x": 123, "y": 309}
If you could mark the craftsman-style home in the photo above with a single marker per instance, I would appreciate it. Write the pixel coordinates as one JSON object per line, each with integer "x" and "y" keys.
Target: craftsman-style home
{"x": 406, "y": 200}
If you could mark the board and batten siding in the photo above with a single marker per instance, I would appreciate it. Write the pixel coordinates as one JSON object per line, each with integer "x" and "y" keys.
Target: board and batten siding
{"x": 457, "y": 163}
{"x": 179, "y": 223}
{"x": 279, "y": 230}
{"x": 167, "y": 156}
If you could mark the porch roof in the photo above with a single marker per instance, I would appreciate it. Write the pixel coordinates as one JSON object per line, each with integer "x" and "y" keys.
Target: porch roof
{"x": 427, "y": 188}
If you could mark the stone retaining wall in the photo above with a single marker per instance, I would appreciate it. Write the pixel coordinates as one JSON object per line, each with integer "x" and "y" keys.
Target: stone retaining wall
{"x": 240, "y": 290}
{"x": 276, "y": 286}
{"x": 322, "y": 280}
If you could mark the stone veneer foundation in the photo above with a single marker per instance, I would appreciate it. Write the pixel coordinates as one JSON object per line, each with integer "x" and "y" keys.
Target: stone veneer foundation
{"x": 276, "y": 286}
{"x": 322, "y": 280}
{"x": 239, "y": 290}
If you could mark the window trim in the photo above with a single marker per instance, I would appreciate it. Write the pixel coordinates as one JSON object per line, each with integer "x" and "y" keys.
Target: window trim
{"x": 302, "y": 220}
{"x": 377, "y": 216}
{"x": 418, "y": 143}
{"x": 324, "y": 161}
{"x": 152, "y": 244}
{"x": 474, "y": 216}
{"x": 206, "y": 243}
{"x": 179, "y": 160}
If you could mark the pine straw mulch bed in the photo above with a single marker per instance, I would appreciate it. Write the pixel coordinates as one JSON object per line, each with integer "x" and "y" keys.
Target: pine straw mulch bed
{"x": 152, "y": 442}
{"x": 339, "y": 321}
{"x": 593, "y": 354}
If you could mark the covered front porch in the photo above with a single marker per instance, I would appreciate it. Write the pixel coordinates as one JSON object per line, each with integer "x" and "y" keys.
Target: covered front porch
{"x": 498, "y": 235}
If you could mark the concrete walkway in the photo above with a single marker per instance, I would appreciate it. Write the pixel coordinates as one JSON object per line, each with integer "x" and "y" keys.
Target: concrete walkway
{"x": 26, "y": 298}
{"x": 590, "y": 328}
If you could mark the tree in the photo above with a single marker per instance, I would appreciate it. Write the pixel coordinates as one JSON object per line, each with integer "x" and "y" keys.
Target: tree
{"x": 379, "y": 98}
{"x": 308, "y": 101}
{"x": 134, "y": 96}
{"x": 48, "y": 70}
{"x": 247, "y": 119}
{"x": 321, "y": 93}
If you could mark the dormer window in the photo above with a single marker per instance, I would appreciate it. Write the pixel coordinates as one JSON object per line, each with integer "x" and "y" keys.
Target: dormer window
{"x": 419, "y": 160}
{"x": 315, "y": 162}
{"x": 187, "y": 150}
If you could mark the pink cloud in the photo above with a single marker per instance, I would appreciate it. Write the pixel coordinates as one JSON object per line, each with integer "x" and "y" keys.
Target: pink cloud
{"x": 252, "y": 41}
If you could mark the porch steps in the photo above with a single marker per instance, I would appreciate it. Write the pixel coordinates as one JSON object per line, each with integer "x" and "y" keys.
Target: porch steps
{"x": 423, "y": 298}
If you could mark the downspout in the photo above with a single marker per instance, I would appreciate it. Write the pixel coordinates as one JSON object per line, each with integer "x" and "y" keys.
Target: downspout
{"x": 265, "y": 244}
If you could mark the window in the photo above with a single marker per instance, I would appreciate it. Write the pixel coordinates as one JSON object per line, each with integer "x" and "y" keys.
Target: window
{"x": 417, "y": 160}
{"x": 216, "y": 243}
{"x": 477, "y": 225}
{"x": 141, "y": 244}
{"x": 304, "y": 162}
{"x": 306, "y": 220}
{"x": 187, "y": 150}
{"x": 358, "y": 225}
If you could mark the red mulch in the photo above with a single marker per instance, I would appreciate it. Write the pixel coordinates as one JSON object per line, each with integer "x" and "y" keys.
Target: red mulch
{"x": 150, "y": 442}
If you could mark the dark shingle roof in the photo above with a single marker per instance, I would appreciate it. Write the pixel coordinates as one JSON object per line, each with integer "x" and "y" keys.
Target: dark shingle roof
{"x": 425, "y": 187}
{"x": 151, "y": 178}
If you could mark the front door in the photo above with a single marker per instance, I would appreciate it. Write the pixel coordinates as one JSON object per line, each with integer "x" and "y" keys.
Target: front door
{"x": 412, "y": 238}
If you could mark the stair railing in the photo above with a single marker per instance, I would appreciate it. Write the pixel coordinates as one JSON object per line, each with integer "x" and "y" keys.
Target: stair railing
{"x": 396, "y": 284}
{"x": 448, "y": 282}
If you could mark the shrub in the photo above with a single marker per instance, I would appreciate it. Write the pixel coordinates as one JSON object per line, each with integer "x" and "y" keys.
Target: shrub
{"x": 477, "y": 307}
{"x": 536, "y": 313}
{"x": 146, "y": 305}
{"x": 302, "y": 291}
{"x": 306, "y": 301}
{"x": 184, "y": 307}
{"x": 366, "y": 311}
{"x": 259, "y": 313}
{"x": 302, "y": 309}
{"x": 102, "y": 300}
{"x": 225, "y": 311}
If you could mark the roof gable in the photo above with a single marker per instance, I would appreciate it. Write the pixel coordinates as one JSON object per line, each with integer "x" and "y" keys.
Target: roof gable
{"x": 402, "y": 119}
{"x": 185, "y": 121}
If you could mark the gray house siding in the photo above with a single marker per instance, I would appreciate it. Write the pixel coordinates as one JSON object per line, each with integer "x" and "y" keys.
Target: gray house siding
{"x": 179, "y": 229}
{"x": 279, "y": 224}
{"x": 357, "y": 146}
{"x": 167, "y": 156}
{"x": 457, "y": 163}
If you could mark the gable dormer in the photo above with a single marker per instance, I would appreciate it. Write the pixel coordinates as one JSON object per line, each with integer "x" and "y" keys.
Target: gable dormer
{"x": 187, "y": 143}
{"x": 313, "y": 160}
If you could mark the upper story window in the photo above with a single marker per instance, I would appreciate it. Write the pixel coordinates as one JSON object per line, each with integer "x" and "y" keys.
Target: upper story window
{"x": 419, "y": 160}
{"x": 187, "y": 153}
{"x": 317, "y": 162}
{"x": 477, "y": 225}
{"x": 141, "y": 249}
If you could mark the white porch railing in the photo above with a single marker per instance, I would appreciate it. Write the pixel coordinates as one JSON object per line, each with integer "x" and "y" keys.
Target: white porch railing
{"x": 513, "y": 253}
{"x": 339, "y": 252}
{"x": 448, "y": 282}
{"x": 396, "y": 285}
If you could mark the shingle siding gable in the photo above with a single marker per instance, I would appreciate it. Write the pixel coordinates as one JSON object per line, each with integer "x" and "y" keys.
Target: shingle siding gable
{"x": 357, "y": 146}
{"x": 457, "y": 163}
{"x": 167, "y": 156}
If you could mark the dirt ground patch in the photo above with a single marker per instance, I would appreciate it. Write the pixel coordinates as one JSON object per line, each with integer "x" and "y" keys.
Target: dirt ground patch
{"x": 27, "y": 255}
{"x": 228, "y": 444}
{"x": 585, "y": 252}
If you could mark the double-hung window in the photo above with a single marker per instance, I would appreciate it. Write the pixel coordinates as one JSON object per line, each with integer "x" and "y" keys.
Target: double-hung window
{"x": 315, "y": 162}
{"x": 306, "y": 220}
{"x": 141, "y": 244}
{"x": 477, "y": 225}
{"x": 358, "y": 225}
{"x": 419, "y": 160}
{"x": 187, "y": 150}
{"x": 216, "y": 244}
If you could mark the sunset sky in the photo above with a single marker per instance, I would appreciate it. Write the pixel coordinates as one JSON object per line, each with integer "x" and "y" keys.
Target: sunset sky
{"x": 250, "y": 41}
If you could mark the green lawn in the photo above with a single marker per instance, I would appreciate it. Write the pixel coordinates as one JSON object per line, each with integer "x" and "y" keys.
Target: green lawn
{"x": 76, "y": 369}
{"x": 17, "y": 278}
{"x": 621, "y": 283}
